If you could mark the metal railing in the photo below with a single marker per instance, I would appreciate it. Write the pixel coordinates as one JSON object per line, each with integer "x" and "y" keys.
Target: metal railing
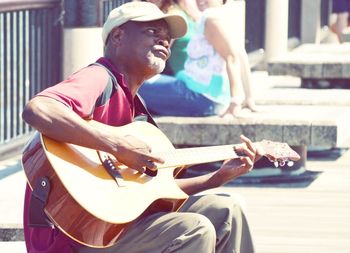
{"x": 30, "y": 58}
{"x": 108, "y": 5}
{"x": 256, "y": 15}
{"x": 255, "y": 22}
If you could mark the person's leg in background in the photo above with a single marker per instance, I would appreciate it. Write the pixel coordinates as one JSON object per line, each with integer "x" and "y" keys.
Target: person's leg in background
{"x": 167, "y": 96}
{"x": 341, "y": 9}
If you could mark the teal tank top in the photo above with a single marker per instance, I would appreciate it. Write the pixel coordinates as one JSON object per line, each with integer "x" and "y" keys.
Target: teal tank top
{"x": 204, "y": 70}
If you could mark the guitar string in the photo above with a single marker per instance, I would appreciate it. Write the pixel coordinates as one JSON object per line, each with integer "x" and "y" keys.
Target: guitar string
{"x": 188, "y": 156}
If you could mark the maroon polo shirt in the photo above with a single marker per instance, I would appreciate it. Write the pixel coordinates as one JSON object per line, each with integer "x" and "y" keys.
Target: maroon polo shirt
{"x": 90, "y": 93}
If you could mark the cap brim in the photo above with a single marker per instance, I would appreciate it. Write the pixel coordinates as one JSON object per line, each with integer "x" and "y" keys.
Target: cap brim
{"x": 177, "y": 24}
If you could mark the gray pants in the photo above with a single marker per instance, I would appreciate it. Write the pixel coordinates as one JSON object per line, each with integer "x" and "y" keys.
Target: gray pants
{"x": 205, "y": 224}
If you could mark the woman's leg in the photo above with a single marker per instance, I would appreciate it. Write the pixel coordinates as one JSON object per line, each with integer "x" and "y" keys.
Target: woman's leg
{"x": 341, "y": 9}
{"x": 340, "y": 24}
{"x": 167, "y": 96}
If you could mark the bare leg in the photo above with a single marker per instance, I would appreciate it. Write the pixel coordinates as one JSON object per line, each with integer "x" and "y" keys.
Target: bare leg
{"x": 340, "y": 24}
{"x": 247, "y": 81}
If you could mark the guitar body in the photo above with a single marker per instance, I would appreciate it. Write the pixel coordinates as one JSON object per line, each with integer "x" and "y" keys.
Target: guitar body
{"x": 85, "y": 201}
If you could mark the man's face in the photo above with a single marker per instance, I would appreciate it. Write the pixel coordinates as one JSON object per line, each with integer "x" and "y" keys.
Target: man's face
{"x": 147, "y": 44}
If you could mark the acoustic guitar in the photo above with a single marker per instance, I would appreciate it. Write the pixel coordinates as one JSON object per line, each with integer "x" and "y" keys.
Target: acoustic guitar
{"x": 93, "y": 199}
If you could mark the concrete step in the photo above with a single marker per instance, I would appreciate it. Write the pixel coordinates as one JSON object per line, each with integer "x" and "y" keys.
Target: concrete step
{"x": 287, "y": 90}
{"x": 314, "y": 61}
{"x": 319, "y": 126}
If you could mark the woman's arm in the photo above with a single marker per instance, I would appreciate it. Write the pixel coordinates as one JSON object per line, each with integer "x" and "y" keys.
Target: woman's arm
{"x": 218, "y": 37}
{"x": 190, "y": 6}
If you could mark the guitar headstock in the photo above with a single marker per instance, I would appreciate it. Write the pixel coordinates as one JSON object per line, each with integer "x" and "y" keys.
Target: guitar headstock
{"x": 279, "y": 153}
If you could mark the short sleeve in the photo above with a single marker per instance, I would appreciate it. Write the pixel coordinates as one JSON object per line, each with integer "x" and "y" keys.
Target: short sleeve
{"x": 81, "y": 90}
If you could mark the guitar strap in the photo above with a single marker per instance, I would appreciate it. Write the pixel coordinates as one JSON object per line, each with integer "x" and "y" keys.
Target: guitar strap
{"x": 40, "y": 194}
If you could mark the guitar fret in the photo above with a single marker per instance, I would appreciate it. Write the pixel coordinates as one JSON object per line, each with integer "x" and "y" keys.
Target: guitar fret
{"x": 187, "y": 156}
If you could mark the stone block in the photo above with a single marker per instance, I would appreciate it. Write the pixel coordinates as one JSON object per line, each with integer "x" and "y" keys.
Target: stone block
{"x": 334, "y": 70}
{"x": 297, "y": 134}
{"x": 323, "y": 134}
{"x": 317, "y": 61}
{"x": 271, "y": 132}
{"x": 277, "y": 68}
{"x": 11, "y": 234}
{"x": 322, "y": 126}
{"x": 295, "y": 69}
{"x": 346, "y": 70}
{"x": 311, "y": 70}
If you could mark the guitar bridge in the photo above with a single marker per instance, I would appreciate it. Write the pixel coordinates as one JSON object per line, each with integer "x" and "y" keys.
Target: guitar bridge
{"x": 108, "y": 164}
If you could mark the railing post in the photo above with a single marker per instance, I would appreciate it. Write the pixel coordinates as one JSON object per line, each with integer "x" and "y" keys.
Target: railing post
{"x": 82, "y": 37}
{"x": 276, "y": 28}
{"x": 30, "y": 60}
{"x": 310, "y": 21}
{"x": 82, "y": 41}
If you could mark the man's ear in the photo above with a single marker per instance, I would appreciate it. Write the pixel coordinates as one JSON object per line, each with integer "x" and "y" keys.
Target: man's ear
{"x": 115, "y": 36}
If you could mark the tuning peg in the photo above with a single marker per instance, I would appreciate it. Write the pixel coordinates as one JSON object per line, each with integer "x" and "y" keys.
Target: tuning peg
{"x": 282, "y": 163}
{"x": 290, "y": 163}
{"x": 276, "y": 164}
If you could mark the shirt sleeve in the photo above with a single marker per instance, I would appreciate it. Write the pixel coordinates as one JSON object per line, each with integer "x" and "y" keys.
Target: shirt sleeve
{"x": 80, "y": 91}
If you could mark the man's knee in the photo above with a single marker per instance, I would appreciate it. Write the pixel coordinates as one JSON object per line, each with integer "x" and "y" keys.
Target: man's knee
{"x": 222, "y": 201}
{"x": 196, "y": 224}
{"x": 196, "y": 233}
{"x": 205, "y": 227}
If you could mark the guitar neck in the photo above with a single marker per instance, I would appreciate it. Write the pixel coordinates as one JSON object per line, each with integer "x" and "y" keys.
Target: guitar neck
{"x": 199, "y": 155}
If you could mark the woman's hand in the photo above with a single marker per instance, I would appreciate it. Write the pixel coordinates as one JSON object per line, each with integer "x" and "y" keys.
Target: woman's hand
{"x": 233, "y": 109}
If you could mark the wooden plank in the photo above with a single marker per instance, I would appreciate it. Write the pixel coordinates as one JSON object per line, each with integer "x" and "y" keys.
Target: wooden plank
{"x": 292, "y": 219}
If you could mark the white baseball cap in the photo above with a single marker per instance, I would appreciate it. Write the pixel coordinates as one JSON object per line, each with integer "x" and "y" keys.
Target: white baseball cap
{"x": 143, "y": 12}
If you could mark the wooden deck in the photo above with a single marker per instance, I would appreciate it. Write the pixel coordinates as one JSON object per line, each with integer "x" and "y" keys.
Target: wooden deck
{"x": 288, "y": 218}
{"x": 302, "y": 218}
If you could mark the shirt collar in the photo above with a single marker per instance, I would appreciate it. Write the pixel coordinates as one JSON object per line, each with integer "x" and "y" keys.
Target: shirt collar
{"x": 119, "y": 76}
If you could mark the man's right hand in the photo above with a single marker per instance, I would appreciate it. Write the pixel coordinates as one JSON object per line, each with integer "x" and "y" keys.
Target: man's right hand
{"x": 135, "y": 154}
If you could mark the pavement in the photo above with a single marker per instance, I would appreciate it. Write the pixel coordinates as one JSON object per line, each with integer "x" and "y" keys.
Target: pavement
{"x": 12, "y": 187}
{"x": 269, "y": 90}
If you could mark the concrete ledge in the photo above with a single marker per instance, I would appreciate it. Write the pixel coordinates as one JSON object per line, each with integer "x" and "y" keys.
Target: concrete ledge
{"x": 314, "y": 61}
{"x": 320, "y": 126}
{"x": 346, "y": 35}
{"x": 11, "y": 234}
{"x": 295, "y": 95}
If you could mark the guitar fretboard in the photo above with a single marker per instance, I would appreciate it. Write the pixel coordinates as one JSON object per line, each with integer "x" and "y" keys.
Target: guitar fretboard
{"x": 189, "y": 156}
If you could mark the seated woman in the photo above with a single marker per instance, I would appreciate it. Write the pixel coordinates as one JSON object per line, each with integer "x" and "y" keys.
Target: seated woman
{"x": 213, "y": 76}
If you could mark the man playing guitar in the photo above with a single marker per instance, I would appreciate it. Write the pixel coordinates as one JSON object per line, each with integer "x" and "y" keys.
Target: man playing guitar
{"x": 136, "y": 46}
